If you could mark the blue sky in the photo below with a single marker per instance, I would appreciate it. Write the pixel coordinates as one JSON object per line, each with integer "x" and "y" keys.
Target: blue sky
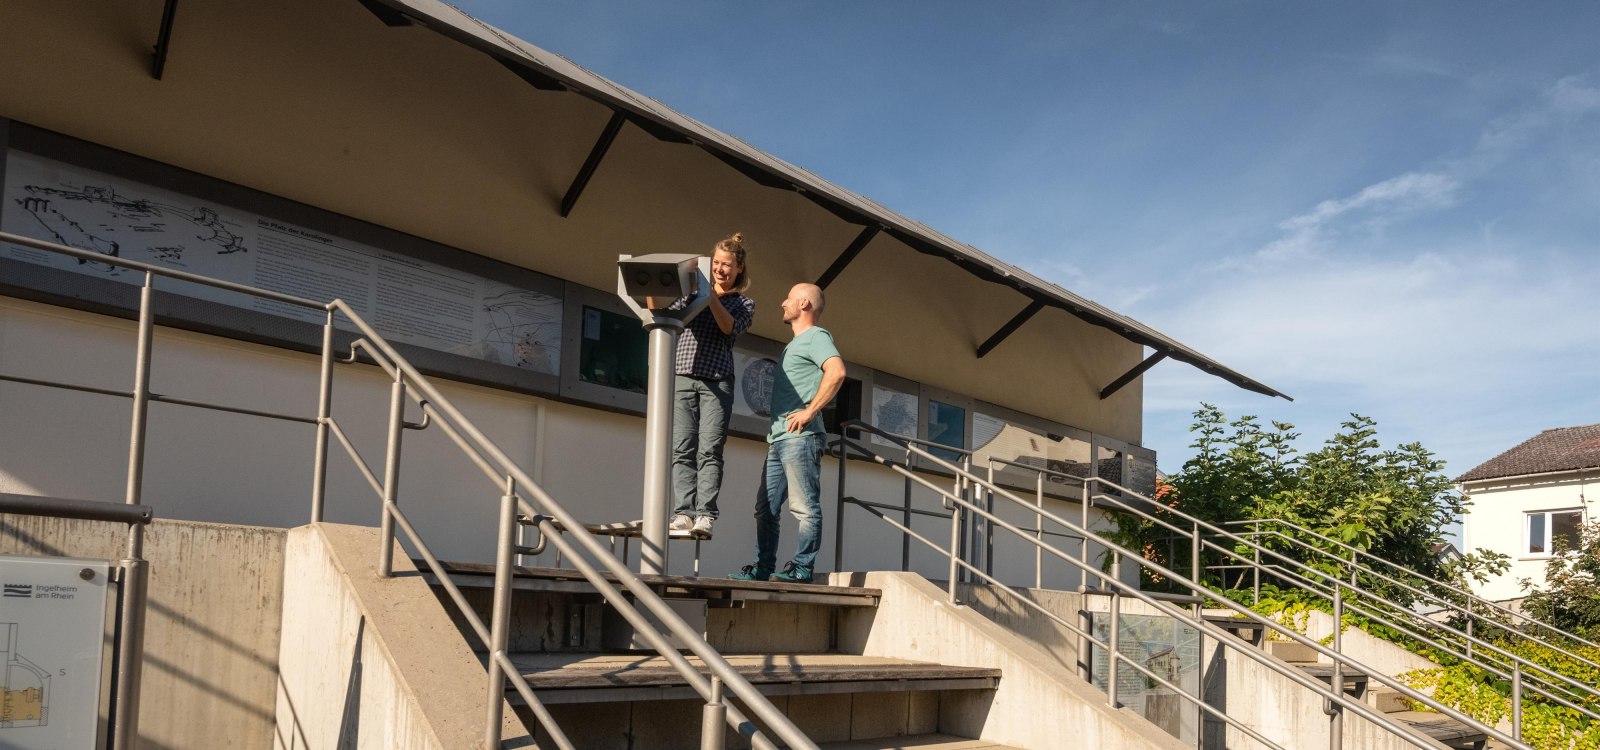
{"x": 1390, "y": 208}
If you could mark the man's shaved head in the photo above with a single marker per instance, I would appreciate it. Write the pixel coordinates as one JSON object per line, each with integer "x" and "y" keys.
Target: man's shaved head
{"x": 812, "y": 294}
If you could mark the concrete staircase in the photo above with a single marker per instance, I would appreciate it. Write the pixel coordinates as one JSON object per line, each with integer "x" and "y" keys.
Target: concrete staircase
{"x": 1442, "y": 729}
{"x": 579, "y": 657}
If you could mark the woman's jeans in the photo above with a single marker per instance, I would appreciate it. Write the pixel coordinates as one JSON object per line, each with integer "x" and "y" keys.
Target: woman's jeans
{"x": 700, "y": 412}
{"x": 793, "y": 472}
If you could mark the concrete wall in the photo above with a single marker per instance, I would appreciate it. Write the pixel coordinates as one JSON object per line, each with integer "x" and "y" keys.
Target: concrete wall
{"x": 1498, "y": 521}
{"x": 211, "y": 640}
{"x": 1039, "y": 702}
{"x": 369, "y": 662}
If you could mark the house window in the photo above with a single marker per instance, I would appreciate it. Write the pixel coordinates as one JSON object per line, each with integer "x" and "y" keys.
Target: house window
{"x": 1549, "y": 529}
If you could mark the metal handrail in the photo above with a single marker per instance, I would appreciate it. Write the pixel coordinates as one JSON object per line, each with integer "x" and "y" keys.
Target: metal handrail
{"x": 1470, "y": 597}
{"x": 1332, "y": 696}
{"x": 1514, "y": 673}
{"x": 408, "y": 382}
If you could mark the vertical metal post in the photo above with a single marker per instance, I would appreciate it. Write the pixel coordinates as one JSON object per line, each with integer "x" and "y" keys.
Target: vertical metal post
{"x": 1038, "y": 531}
{"x": 658, "y": 445}
{"x": 1469, "y": 626}
{"x": 955, "y": 541}
{"x": 500, "y": 628}
{"x": 905, "y": 539}
{"x": 1516, "y": 701}
{"x": 1354, "y": 567}
{"x": 988, "y": 528}
{"x": 1255, "y": 569}
{"x": 1194, "y": 555}
{"x": 1113, "y": 648}
{"x": 714, "y": 719}
{"x": 141, "y": 392}
{"x": 1083, "y": 523}
{"x": 391, "y": 475}
{"x": 1333, "y": 709}
{"x": 129, "y": 666}
{"x": 838, "y": 512}
{"x": 319, "y": 469}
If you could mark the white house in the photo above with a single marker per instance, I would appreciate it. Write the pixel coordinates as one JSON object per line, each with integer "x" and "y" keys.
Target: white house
{"x": 1531, "y": 499}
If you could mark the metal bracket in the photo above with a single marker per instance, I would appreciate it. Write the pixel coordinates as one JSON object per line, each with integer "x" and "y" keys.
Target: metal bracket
{"x": 1127, "y": 377}
{"x": 1010, "y": 327}
{"x": 592, "y": 163}
{"x": 849, "y": 254}
{"x": 158, "y": 58}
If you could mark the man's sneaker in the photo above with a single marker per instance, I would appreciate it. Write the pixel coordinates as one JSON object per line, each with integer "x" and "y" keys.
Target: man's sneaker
{"x": 680, "y": 523}
{"x": 793, "y": 574}
{"x": 751, "y": 573}
{"x": 702, "y": 527}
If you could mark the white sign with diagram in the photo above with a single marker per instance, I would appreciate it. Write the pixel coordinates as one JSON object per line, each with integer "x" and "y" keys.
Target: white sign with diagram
{"x": 52, "y": 652}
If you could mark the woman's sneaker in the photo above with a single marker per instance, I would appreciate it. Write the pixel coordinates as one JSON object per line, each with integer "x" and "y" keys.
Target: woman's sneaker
{"x": 702, "y": 527}
{"x": 680, "y": 523}
{"x": 793, "y": 574}
{"x": 751, "y": 573}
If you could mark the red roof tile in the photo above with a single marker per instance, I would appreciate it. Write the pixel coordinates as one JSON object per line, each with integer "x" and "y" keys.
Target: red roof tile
{"x": 1560, "y": 449}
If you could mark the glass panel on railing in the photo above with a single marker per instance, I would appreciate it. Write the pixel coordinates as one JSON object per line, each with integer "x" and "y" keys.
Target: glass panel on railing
{"x": 1108, "y": 466}
{"x": 614, "y": 351}
{"x": 947, "y": 425}
{"x": 1166, "y": 647}
{"x": 893, "y": 411}
{"x": 1142, "y": 472}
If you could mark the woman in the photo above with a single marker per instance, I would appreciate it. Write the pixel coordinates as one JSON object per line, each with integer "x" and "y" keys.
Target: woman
{"x": 703, "y": 396}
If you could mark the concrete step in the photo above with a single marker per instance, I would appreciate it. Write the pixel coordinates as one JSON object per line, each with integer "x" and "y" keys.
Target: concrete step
{"x": 1387, "y": 700}
{"x": 918, "y": 742}
{"x": 1355, "y": 683}
{"x": 1293, "y": 652}
{"x": 1448, "y": 731}
{"x": 719, "y": 591}
{"x": 610, "y": 678}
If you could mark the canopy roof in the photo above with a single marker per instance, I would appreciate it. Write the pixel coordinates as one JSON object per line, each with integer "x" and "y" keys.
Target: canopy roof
{"x": 549, "y": 71}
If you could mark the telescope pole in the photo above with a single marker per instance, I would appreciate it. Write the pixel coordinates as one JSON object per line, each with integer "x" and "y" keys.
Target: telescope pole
{"x": 658, "y": 444}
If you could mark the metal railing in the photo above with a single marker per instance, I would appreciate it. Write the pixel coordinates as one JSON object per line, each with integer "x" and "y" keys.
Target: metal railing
{"x": 127, "y": 669}
{"x": 522, "y": 501}
{"x": 1523, "y": 675}
{"x": 1335, "y": 701}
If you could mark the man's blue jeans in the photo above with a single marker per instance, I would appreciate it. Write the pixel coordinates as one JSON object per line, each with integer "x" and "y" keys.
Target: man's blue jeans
{"x": 793, "y": 472}
{"x": 700, "y": 413}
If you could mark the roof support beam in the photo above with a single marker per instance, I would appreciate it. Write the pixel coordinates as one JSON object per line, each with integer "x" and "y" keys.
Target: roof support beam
{"x": 1010, "y": 327}
{"x": 596, "y": 155}
{"x": 158, "y": 58}
{"x": 389, "y": 16}
{"x": 1127, "y": 377}
{"x": 849, "y": 254}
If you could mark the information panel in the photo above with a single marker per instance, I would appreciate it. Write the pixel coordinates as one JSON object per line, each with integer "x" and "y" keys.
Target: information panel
{"x": 52, "y": 645}
{"x": 406, "y": 299}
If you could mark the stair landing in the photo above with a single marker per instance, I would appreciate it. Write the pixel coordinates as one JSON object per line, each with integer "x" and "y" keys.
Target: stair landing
{"x": 917, "y": 742}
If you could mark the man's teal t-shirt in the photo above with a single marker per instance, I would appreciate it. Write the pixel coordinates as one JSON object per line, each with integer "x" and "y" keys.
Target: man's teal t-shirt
{"x": 796, "y": 382}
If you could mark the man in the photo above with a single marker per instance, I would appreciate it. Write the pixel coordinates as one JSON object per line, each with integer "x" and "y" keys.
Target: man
{"x": 806, "y": 380}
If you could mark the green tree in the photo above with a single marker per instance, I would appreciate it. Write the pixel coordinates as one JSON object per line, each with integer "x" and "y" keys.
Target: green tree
{"x": 1570, "y": 597}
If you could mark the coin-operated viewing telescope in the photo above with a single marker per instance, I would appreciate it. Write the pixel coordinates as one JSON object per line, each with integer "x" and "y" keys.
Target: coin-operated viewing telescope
{"x": 656, "y": 281}
{"x": 664, "y": 290}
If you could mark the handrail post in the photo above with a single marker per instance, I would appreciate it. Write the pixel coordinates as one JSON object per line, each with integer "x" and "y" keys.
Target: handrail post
{"x": 1038, "y": 531}
{"x": 1516, "y": 700}
{"x": 1113, "y": 647}
{"x": 988, "y": 528}
{"x": 129, "y": 663}
{"x": 319, "y": 469}
{"x": 839, "y": 507}
{"x": 905, "y": 541}
{"x": 714, "y": 719}
{"x": 141, "y": 391}
{"x": 1083, "y": 523}
{"x": 1255, "y": 568}
{"x": 1334, "y": 710}
{"x": 955, "y": 542}
{"x": 1194, "y": 555}
{"x": 1469, "y": 627}
{"x": 391, "y": 475}
{"x": 500, "y": 629}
